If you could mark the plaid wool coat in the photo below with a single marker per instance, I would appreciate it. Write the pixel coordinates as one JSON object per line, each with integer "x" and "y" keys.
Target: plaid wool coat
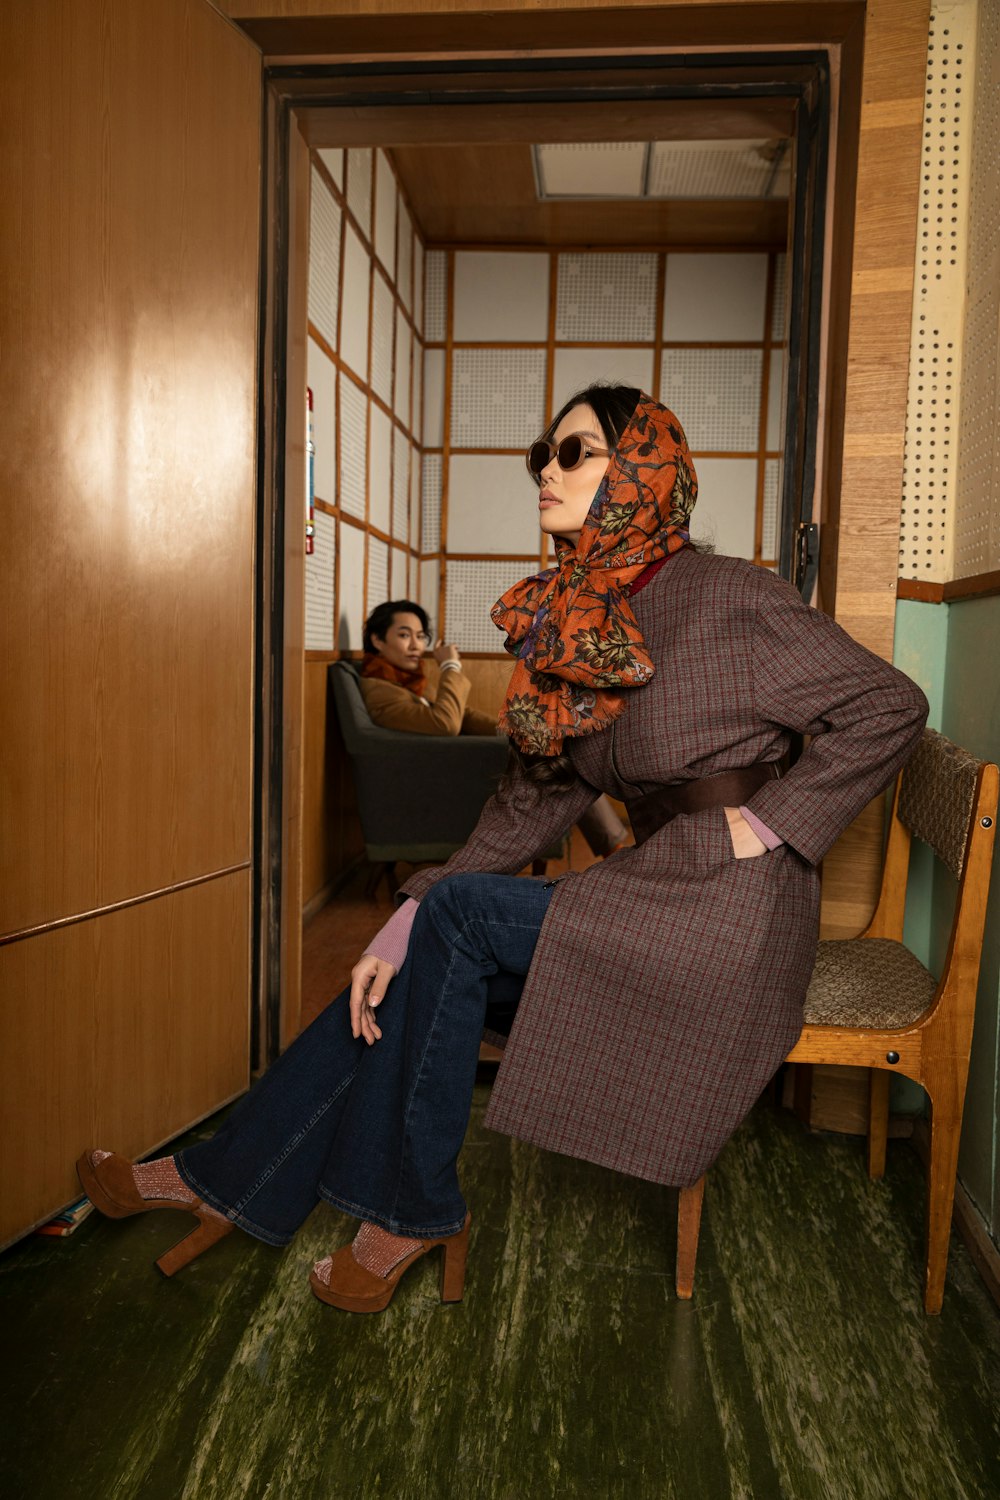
{"x": 668, "y": 981}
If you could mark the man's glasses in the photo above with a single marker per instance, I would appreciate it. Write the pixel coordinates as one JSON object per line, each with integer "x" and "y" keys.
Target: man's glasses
{"x": 569, "y": 454}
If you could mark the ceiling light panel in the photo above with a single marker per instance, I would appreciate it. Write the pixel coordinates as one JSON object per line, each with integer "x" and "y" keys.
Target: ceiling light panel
{"x": 613, "y": 169}
{"x": 717, "y": 169}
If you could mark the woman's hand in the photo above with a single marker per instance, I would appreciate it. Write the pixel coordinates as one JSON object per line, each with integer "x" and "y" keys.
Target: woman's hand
{"x": 746, "y": 844}
{"x": 369, "y": 982}
{"x": 443, "y": 653}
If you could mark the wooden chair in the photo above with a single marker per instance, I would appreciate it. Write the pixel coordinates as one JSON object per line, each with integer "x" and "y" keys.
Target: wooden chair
{"x": 872, "y": 1003}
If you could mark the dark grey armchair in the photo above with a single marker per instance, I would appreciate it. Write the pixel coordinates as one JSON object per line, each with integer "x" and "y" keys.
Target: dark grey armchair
{"x": 419, "y": 795}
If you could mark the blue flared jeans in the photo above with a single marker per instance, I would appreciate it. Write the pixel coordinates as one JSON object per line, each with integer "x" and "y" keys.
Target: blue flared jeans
{"x": 376, "y": 1130}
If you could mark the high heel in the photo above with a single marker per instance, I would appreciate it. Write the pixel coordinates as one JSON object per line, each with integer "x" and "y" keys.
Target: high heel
{"x": 110, "y": 1186}
{"x": 353, "y": 1289}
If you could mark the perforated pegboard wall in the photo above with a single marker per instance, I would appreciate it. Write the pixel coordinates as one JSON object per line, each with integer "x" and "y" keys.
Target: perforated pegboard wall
{"x": 414, "y": 534}
{"x": 606, "y": 297}
{"x": 715, "y": 393}
{"x": 418, "y": 283}
{"x": 929, "y": 461}
{"x": 472, "y": 590}
{"x": 497, "y": 397}
{"x": 404, "y": 255}
{"x": 359, "y": 186}
{"x": 319, "y": 585}
{"x": 772, "y": 500}
{"x": 383, "y": 322}
{"x": 324, "y": 259}
{"x": 430, "y": 503}
{"x": 716, "y": 169}
{"x": 780, "y": 304}
{"x": 353, "y": 448}
{"x": 400, "y": 485}
{"x": 435, "y": 295}
{"x": 402, "y": 363}
{"x": 378, "y": 574}
{"x": 977, "y": 509}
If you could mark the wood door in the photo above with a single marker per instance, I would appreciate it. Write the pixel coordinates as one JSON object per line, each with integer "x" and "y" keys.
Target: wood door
{"x": 128, "y": 282}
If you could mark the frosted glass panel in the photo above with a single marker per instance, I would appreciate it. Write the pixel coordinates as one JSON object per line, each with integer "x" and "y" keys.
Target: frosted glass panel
{"x": 576, "y": 368}
{"x": 378, "y": 573}
{"x": 418, "y": 283}
{"x": 776, "y": 401}
{"x": 417, "y": 408}
{"x": 404, "y": 256}
{"x": 429, "y": 580}
{"x": 324, "y": 259}
{"x": 720, "y": 298}
{"x": 727, "y": 502}
{"x": 359, "y": 186}
{"x": 434, "y": 398}
{"x": 606, "y": 297}
{"x": 400, "y": 485}
{"x": 401, "y": 401}
{"x": 436, "y": 291}
{"x": 770, "y": 541}
{"x": 715, "y": 394}
{"x": 383, "y": 320}
{"x": 385, "y": 213}
{"x": 497, "y": 397}
{"x": 353, "y": 448}
{"x": 381, "y": 458}
{"x": 332, "y": 158}
{"x": 352, "y": 588}
{"x": 473, "y": 588}
{"x": 398, "y": 584}
{"x": 430, "y": 502}
{"x": 354, "y": 313}
{"x": 501, "y": 295}
{"x": 319, "y": 586}
{"x": 415, "y": 486}
{"x": 492, "y": 505}
{"x": 321, "y": 377}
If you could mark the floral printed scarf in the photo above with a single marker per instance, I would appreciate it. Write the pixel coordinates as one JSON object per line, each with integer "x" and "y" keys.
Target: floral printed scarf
{"x": 377, "y": 666}
{"x": 571, "y": 627}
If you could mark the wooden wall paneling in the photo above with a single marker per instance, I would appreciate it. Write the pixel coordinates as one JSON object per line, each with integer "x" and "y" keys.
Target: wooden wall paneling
{"x": 118, "y": 1031}
{"x": 312, "y": 28}
{"x": 293, "y": 644}
{"x": 128, "y": 308}
{"x": 128, "y": 275}
{"x": 877, "y": 193}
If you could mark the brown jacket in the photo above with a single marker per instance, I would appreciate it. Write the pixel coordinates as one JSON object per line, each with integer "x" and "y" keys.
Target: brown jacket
{"x": 667, "y": 982}
{"x": 392, "y": 706}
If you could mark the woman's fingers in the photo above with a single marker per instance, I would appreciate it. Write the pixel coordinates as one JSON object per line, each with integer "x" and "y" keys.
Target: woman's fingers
{"x": 369, "y": 980}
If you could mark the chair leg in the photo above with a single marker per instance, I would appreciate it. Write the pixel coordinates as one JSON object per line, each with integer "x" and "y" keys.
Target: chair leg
{"x": 878, "y": 1121}
{"x": 941, "y": 1172}
{"x": 689, "y": 1203}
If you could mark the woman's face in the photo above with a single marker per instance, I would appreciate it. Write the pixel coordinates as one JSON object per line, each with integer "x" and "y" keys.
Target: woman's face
{"x": 566, "y": 496}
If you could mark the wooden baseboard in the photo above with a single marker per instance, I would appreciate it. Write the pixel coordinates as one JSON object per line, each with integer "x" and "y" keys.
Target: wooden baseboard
{"x": 968, "y": 1221}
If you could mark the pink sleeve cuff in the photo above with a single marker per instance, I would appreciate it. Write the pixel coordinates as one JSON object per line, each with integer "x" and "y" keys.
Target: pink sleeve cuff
{"x": 391, "y": 941}
{"x": 766, "y": 835}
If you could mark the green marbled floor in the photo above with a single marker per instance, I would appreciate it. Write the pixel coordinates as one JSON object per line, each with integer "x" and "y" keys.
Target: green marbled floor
{"x": 803, "y": 1368}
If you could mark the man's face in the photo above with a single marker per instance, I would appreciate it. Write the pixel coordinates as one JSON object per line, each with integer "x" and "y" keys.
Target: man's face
{"x": 404, "y": 643}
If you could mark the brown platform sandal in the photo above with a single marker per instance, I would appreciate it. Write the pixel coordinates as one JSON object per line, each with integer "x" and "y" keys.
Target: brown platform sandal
{"x": 111, "y": 1188}
{"x": 353, "y": 1289}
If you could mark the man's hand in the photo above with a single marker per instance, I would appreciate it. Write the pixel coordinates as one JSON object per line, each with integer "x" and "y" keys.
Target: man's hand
{"x": 442, "y": 653}
{"x": 369, "y": 982}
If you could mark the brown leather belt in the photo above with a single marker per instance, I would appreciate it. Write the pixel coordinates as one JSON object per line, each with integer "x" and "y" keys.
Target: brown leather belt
{"x": 651, "y": 812}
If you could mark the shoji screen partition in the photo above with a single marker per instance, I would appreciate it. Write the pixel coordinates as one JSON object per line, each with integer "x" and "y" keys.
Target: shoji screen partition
{"x": 511, "y": 334}
{"x": 365, "y": 371}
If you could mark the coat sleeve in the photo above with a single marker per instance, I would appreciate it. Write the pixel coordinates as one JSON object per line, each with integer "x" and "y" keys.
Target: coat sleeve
{"x": 865, "y": 718}
{"x": 395, "y": 707}
{"x": 511, "y": 832}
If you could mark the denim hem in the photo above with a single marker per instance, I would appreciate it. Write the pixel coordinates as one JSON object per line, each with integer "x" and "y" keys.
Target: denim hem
{"x": 409, "y": 1231}
{"x": 276, "y": 1241}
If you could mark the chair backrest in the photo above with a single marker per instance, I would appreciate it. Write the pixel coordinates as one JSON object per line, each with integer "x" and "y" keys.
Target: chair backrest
{"x": 356, "y": 724}
{"x": 937, "y": 797}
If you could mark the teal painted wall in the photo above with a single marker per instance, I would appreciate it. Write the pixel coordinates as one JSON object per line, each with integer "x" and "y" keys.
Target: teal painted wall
{"x": 953, "y": 652}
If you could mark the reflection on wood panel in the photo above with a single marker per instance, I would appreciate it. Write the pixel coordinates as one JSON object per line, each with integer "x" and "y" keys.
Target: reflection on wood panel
{"x": 130, "y": 545}
{"x": 118, "y": 1032}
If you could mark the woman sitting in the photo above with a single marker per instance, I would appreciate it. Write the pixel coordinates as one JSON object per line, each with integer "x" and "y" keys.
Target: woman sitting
{"x": 660, "y": 988}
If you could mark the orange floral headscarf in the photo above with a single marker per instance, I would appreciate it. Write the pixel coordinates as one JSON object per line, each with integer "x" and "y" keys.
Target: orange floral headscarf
{"x": 571, "y": 627}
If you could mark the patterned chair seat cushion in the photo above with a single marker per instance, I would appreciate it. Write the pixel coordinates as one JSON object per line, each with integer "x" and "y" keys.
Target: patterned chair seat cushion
{"x": 870, "y": 982}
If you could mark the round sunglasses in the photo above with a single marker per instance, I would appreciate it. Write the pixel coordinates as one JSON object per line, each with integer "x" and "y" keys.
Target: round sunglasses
{"x": 569, "y": 454}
